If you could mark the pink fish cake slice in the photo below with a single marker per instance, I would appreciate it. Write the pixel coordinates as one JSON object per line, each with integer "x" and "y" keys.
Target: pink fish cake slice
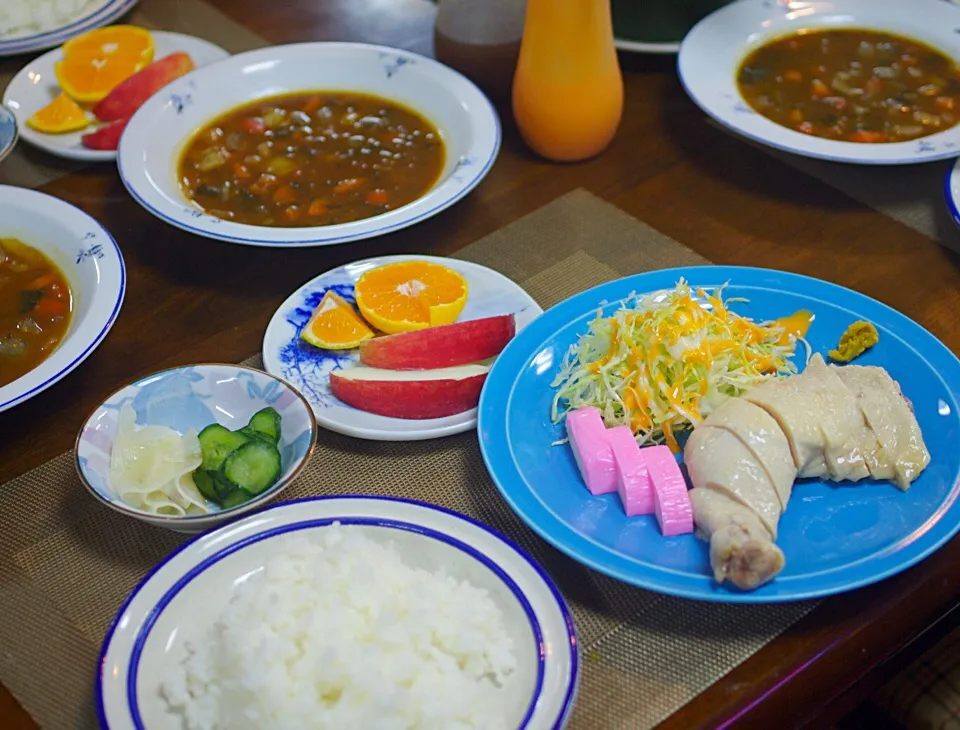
{"x": 671, "y": 499}
{"x": 633, "y": 480}
{"x": 588, "y": 439}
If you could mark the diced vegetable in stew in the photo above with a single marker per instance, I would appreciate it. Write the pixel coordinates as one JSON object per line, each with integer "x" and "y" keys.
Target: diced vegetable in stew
{"x": 311, "y": 160}
{"x": 35, "y": 308}
{"x": 853, "y": 85}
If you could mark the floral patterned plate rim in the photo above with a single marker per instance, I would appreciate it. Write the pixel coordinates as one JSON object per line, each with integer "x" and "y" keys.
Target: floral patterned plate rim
{"x": 308, "y": 368}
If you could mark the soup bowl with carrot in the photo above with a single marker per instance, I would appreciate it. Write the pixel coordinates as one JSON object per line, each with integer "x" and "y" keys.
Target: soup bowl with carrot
{"x": 62, "y": 282}
{"x": 309, "y": 144}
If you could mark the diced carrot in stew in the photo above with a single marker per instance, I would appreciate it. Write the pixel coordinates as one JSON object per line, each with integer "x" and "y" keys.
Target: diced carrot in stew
{"x": 263, "y": 184}
{"x": 873, "y": 86}
{"x": 377, "y": 197}
{"x": 42, "y": 282}
{"x": 286, "y": 194}
{"x": 253, "y": 125}
{"x": 863, "y": 135}
{"x": 293, "y": 213}
{"x": 348, "y": 185}
{"x": 50, "y": 307}
{"x": 945, "y": 103}
{"x": 241, "y": 171}
{"x": 793, "y": 76}
{"x": 313, "y": 103}
{"x": 818, "y": 88}
{"x": 318, "y": 207}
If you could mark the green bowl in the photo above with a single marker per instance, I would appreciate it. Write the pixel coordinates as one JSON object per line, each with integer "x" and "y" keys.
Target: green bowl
{"x": 657, "y": 26}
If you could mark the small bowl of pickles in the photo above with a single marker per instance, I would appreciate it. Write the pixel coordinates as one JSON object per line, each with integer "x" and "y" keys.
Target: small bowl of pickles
{"x": 193, "y": 447}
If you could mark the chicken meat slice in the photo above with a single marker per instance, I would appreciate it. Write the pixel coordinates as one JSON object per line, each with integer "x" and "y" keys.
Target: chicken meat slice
{"x": 742, "y": 550}
{"x": 901, "y": 453}
{"x": 760, "y": 432}
{"x": 717, "y": 459}
{"x": 826, "y": 429}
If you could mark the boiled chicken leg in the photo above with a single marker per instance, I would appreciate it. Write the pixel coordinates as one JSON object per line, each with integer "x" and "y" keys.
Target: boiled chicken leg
{"x": 839, "y": 423}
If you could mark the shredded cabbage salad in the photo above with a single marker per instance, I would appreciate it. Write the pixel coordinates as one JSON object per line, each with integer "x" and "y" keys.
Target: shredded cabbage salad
{"x": 665, "y": 360}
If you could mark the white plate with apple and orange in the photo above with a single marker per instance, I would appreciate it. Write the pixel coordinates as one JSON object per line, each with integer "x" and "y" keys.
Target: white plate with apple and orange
{"x": 396, "y": 348}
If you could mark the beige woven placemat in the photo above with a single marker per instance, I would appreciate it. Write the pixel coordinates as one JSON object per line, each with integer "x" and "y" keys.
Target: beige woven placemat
{"x": 66, "y": 563}
{"x": 29, "y": 167}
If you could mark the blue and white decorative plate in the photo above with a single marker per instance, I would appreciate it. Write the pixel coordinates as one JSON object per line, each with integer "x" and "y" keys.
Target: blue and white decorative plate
{"x": 150, "y": 631}
{"x": 835, "y": 538}
{"x": 193, "y": 397}
{"x": 8, "y": 132}
{"x": 88, "y": 16}
{"x": 35, "y": 86}
{"x": 308, "y": 368}
{"x": 91, "y": 261}
{"x": 951, "y": 191}
{"x": 152, "y": 144}
{"x": 712, "y": 52}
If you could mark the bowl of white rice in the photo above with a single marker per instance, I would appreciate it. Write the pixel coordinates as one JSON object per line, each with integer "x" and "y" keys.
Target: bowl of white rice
{"x": 342, "y": 612}
{"x": 32, "y": 25}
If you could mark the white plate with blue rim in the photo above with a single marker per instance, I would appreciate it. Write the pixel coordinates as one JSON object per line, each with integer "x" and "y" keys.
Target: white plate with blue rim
{"x": 951, "y": 191}
{"x": 35, "y": 86}
{"x": 308, "y": 368}
{"x": 91, "y": 262}
{"x": 8, "y": 132}
{"x": 153, "y": 144}
{"x": 712, "y": 53}
{"x": 29, "y": 35}
{"x": 149, "y": 634}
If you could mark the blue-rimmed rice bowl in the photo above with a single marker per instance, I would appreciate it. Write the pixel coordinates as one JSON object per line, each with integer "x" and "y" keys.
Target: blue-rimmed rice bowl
{"x": 148, "y": 634}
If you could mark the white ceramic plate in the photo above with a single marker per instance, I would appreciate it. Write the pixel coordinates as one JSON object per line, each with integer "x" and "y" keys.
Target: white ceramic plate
{"x": 35, "y": 86}
{"x": 711, "y": 54}
{"x": 308, "y": 368}
{"x": 151, "y": 628}
{"x": 94, "y": 14}
{"x": 951, "y": 191}
{"x": 151, "y": 147}
{"x": 8, "y": 132}
{"x": 89, "y": 258}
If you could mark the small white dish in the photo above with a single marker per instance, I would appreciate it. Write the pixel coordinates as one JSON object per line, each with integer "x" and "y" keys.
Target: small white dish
{"x": 148, "y": 634}
{"x": 94, "y": 14}
{"x": 193, "y": 397}
{"x": 8, "y": 132}
{"x": 152, "y": 144}
{"x": 91, "y": 261}
{"x": 308, "y": 368}
{"x": 35, "y": 86}
{"x": 711, "y": 53}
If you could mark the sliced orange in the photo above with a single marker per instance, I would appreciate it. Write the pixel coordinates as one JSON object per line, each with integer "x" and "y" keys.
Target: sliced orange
{"x": 60, "y": 116}
{"x": 410, "y": 295}
{"x": 96, "y": 62}
{"x": 335, "y": 325}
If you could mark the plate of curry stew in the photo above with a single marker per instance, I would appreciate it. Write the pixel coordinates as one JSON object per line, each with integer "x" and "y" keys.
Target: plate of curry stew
{"x": 309, "y": 144}
{"x": 62, "y": 282}
{"x": 845, "y": 80}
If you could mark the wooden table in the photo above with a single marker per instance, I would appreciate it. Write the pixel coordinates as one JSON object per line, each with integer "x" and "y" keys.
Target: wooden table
{"x": 192, "y": 300}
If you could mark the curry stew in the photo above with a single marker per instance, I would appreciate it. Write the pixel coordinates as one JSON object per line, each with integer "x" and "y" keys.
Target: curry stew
{"x": 311, "y": 160}
{"x": 853, "y": 85}
{"x": 35, "y": 307}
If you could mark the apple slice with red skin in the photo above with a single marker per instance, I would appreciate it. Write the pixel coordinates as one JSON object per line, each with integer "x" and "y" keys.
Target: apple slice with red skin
{"x": 410, "y": 394}
{"x": 440, "y": 347}
{"x": 130, "y": 94}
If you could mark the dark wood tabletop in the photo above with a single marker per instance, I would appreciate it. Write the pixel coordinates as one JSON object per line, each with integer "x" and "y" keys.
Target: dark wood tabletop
{"x": 194, "y": 300}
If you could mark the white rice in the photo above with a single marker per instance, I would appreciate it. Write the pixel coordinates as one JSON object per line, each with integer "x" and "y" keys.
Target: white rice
{"x": 339, "y": 633}
{"x": 28, "y": 17}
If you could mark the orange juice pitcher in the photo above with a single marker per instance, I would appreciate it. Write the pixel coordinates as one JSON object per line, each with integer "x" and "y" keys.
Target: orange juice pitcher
{"x": 568, "y": 91}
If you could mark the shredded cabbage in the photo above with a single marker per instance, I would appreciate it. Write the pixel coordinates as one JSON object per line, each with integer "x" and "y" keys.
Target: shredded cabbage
{"x": 665, "y": 360}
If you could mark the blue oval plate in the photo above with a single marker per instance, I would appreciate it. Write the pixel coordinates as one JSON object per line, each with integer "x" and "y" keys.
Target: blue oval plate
{"x": 834, "y": 538}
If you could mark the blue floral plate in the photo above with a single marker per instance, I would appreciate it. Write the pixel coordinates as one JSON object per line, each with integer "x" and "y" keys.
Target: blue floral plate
{"x": 308, "y": 368}
{"x": 835, "y": 538}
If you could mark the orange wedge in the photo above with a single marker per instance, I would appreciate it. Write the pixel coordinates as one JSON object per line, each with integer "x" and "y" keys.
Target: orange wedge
{"x": 410, "y": 295}
{"x": 60, "y": 116}
{"x": 95, "y": 63}
{"x": 335, "y": 325}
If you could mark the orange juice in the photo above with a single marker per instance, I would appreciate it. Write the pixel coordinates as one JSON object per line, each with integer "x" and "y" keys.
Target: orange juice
{"x": 568, "y": 90}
